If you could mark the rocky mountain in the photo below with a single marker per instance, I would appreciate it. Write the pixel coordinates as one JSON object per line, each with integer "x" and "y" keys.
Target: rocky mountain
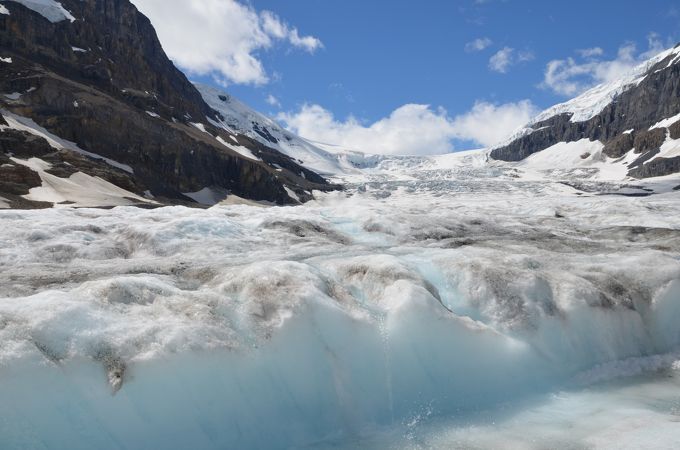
{"x": 93, "y": 113}
{"x": 636, "y": 119}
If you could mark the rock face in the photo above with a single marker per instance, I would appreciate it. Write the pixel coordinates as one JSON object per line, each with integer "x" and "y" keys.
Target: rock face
{"x": 103, "y": 83}
{"x": 622, "y": 125}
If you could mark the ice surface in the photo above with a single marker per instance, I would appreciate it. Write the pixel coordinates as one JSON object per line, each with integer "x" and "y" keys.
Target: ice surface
{"x": 435, "y": 301}
{"x": 49, "y": 9}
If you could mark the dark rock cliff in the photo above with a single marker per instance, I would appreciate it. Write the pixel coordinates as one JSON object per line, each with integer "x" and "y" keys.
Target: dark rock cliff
{"x": 105, "y": 83}
{"x": 643, "y": 105}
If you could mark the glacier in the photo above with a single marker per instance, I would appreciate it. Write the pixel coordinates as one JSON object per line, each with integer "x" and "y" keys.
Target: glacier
{"x": 442, "y": 302}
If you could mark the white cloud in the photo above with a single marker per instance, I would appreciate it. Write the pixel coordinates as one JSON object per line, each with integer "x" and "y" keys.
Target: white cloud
{"x": 411, "y": 129}
{"x": 220, "y": 37}
{"x": 506, "y": 57}
{"x": 570, "y": 77}
{"x": 478, "y": 45}
{"x": 488, "y": 124}
{"x": 273, "y": 101}
{"x": 590, "y": 52}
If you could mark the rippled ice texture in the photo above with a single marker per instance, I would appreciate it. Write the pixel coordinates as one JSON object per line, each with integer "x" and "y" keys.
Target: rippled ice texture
{"x": 422, "y": 313}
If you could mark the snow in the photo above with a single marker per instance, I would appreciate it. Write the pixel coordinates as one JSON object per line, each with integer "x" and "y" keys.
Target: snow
{"x": 666, "y": 122}
{"x": 13, "y": 96}
{"x": 78, "y": 50}
{"x": 6, "y": 60}
{"x": 207, "y": 196}
{"x": 4, "y": 203}
{"x": 243, "y": 151}
{"x": 79, "y": 190}
{"x": 437, "y": 302}
{"x": 437, "y": 299}
{"x": 241, "y": 119}
{"x": 582, "y": 159}
{"x": 153, "y": 114}
{"x": 669, "y": 149}
{"x": 291, "y": 194}
{"x": 25, "y": 124}
{"x": 4, "y": 10}
{"x": 198, "y": 126}
{"x": 594, "y": 101}
{"x": 591, "y": 103}
{"x": 49, "y": 9}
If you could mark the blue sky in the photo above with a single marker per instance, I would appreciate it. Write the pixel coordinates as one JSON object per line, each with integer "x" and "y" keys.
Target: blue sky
{"x": 365, "y": 60}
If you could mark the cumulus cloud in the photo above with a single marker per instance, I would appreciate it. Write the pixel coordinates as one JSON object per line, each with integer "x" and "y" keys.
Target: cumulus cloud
{"x": 506, "y": 57}
{"x": 221, "y": 37}
{"x": 411, "y": 129}
{"x": 571, "y": 76}
{"x": 478, "y": 45}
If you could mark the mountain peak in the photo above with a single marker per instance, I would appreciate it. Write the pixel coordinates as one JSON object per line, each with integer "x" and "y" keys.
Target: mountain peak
{"x": 614, "y": 113}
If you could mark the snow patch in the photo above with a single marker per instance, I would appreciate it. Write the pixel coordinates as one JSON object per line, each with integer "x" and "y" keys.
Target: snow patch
{"x": 207, "y": 196}
{"x": 199, "y": 126}
{"x": 6, "y": 60}
{"x": 49, "y": 9}
{"x": 79, "y": 190}
{"x": 243, "y": 151}
{"x": 292, "y": 194}
{"x": 25, "y": 124}
{"x": 666, "y": 122}
{"x": 669, "y": 149}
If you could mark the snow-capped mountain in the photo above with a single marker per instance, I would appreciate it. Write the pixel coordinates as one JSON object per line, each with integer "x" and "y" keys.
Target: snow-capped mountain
{"x": 633, "y": 122}
{"x": 239, "y": 118}
{"x": 93, "y": 113}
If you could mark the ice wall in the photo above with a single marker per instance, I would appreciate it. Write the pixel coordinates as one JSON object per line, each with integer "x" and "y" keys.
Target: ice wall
{"x": 248, "y": 327}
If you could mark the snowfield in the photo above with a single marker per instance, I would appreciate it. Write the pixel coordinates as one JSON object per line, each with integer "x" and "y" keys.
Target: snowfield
{"x": 442, "y": 302}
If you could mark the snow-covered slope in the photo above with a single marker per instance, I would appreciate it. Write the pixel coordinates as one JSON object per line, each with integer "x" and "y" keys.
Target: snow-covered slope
{"x": 592, "y": 102}
{"x": 630, "y": 116}
{"x": 241, "y": 119}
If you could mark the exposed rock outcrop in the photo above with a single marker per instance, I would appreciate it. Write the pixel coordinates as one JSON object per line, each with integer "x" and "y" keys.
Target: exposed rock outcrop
{"x": 623, "y": 125}
{"x": 104, "y": 83}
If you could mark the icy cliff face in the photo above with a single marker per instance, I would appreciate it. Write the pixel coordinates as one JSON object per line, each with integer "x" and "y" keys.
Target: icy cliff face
{"x": 417, "y": 295}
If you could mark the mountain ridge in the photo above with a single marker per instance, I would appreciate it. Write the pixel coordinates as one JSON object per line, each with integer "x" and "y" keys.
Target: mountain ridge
{"x": 621, "y": 115}
{"x": 103, "y": 83}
